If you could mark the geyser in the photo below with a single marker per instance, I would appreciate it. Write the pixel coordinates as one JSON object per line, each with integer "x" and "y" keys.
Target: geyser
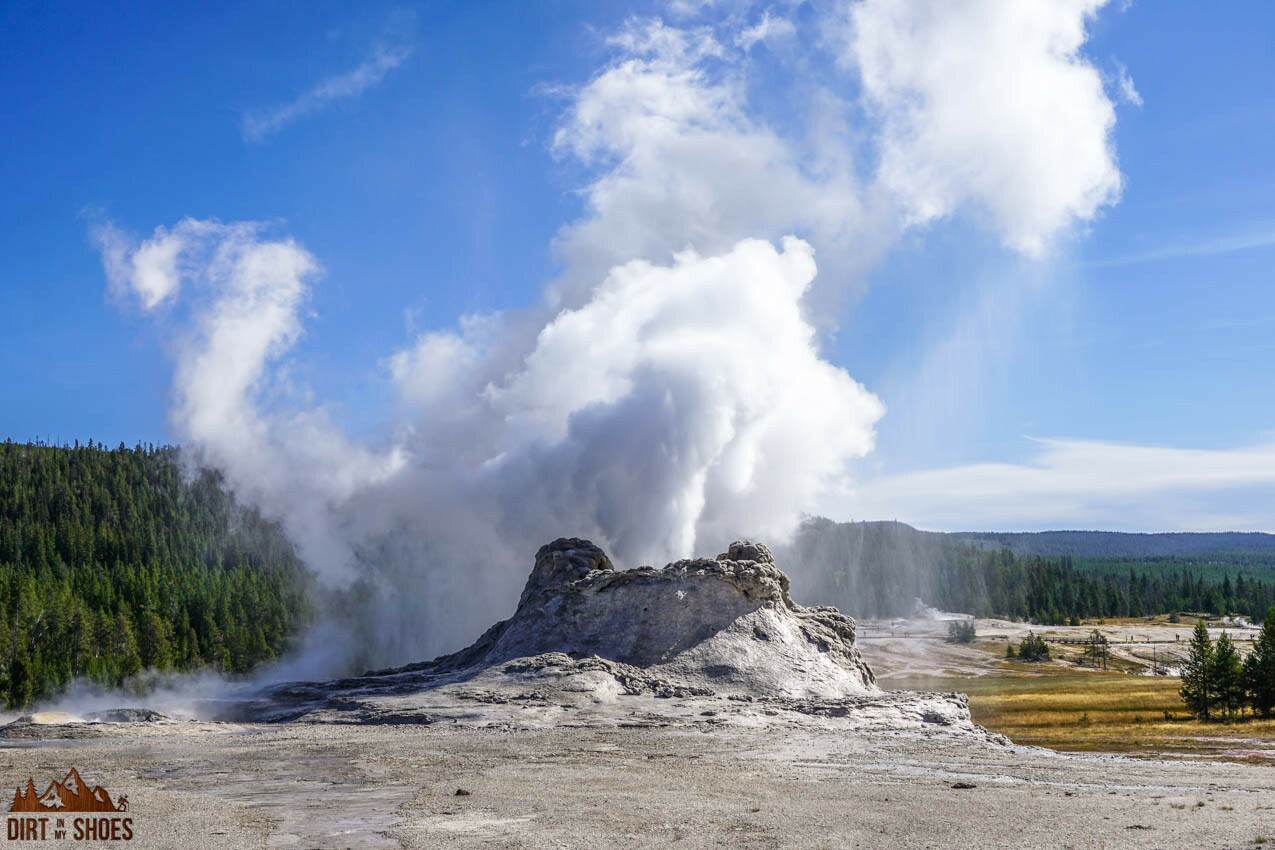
{"x": 725, "y": 624}
{"x": 589, "y": 645}
{"x": 700, "y": 642}
{"x": 671, "y": 386}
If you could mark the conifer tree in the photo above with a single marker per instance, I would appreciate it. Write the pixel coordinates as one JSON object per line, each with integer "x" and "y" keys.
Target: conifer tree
{"x": 154, "y": 644}
{"x": 1227, "y": 684}
{"x": 1259, "y": 669}
{"x": 1033, "y": 648}
{"x": 1197, "y": 689}
{"x": 1096, "y": 649}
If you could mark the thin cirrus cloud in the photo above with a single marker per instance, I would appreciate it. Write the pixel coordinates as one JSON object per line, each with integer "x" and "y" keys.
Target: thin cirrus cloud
{"x": 1250, "y": 238}
{"x": 1124, "y": 85}
{"x": 1084, "y": 484}
{"x": 260, "y": 124}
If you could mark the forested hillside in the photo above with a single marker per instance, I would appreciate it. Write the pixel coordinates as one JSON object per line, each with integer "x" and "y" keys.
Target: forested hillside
{"x": 1117, "y": 544}
{"x": 1054, "y": 590}
{"x": 875, "y": 569}
{"x": 114, "y": 560}
{"x": 111, "y": 561}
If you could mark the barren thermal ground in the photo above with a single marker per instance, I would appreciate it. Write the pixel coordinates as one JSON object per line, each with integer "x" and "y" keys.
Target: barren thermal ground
{"x": 691, "y": 706}
{"x": 643, "y": 781}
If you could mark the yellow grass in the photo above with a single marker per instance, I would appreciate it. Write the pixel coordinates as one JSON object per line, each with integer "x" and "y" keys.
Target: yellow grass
{"x": 1049, "y": 706}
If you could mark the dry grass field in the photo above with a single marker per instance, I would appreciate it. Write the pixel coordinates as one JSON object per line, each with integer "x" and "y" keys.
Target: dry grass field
{"x": 1090, "y": 711}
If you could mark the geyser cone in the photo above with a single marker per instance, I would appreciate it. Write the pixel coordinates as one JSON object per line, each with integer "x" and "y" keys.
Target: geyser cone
{"x": 725, "y": 624}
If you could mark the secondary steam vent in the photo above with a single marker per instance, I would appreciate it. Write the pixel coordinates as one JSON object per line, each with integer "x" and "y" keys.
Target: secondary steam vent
{"x": 726, "y": 624}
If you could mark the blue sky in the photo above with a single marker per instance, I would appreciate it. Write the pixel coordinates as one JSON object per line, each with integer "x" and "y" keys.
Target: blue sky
{"x": 410, "y": 150}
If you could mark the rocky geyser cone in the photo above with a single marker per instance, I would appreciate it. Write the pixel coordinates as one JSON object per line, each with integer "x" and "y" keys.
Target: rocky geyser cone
{"x": 727, "y": 623}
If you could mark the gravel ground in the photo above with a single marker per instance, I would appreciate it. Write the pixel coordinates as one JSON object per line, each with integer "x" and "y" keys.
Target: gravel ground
{"x": 365, "y": 786}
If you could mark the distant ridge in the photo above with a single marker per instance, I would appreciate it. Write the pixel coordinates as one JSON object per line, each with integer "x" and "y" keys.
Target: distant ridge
{"x": 1120, "y": 544}
{"x": 889, "y": 569}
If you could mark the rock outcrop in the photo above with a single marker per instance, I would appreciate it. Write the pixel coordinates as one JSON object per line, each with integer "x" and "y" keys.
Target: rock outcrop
{"x": 726, "y": 623}
{"x": 699, "y": 643}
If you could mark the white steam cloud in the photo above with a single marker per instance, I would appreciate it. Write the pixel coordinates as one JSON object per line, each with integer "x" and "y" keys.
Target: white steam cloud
{"x": 294, "y": 465}
{"x": 683, "y": 163}
{"x": 670, "y": 393}
{"x": 988, "y": 103}
{"x": 681, "y": 403}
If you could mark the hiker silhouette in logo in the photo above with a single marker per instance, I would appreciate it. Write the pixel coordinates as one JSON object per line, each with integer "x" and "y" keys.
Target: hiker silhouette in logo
{"x": 69, "y": 795}
{"x": 121, "y": 805}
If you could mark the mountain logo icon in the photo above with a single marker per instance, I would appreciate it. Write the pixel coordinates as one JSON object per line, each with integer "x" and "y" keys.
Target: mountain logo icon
{"x": 72, "y": 794}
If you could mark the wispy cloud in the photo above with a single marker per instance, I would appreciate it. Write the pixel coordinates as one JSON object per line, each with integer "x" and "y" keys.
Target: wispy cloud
{"x": 1251, "y": 238}
{"x": 1072, "y": 483}
{"x": 1128, "y": 91}
{"x": 259, "y": 124}
{"x": 768, "y": 28}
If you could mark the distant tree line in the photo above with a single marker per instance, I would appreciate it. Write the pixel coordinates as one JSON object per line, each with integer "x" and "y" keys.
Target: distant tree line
{"x": 881, "y": 569}
{"x": 1211, "y": 568}
{"x": 1216, "y": 684}
{"x": 117, "y": 560}
{"x": 1118, "y": 545}
{"x": 1054, "y": 591}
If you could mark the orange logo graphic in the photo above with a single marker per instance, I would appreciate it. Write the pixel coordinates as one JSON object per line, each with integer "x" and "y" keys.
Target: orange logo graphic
{"x": 38, "y": 817}
{"x": 69, "y": 795}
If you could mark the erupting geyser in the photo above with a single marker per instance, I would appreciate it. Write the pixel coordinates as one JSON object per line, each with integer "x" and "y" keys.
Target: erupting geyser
{"x": 727, "y": 624}
{"x": 590, "y": 644}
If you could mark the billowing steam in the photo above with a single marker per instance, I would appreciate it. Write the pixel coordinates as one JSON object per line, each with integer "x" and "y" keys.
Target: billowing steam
{"x": 669, "y": 393}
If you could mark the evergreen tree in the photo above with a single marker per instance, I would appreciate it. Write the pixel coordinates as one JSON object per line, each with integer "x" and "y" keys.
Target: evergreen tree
{"x": 1259, "y": 669}
{"x": 960, "y": 631}
{"x": 1197, "y": 689}
{"x": 122, "y": 646}
{"x": 154, "y": 644}
{"x": 1227, "y": 682}
{"x": 1096, "y": 649}
{"x": 1033, "y": 648}
{"x": 20, "y": 688}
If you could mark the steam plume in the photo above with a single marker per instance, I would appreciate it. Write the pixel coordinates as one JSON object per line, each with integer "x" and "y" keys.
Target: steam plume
{"x": 669, "y": 393}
